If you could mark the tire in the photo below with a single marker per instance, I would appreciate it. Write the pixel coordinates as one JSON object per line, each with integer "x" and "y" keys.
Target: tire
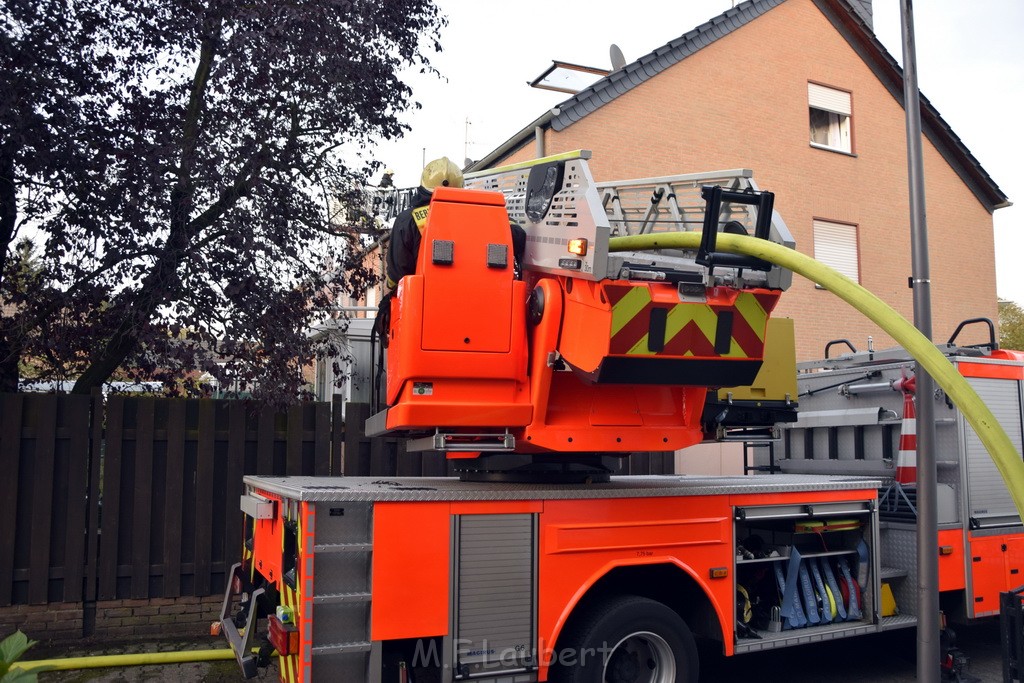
{"x": 627, "y": 639}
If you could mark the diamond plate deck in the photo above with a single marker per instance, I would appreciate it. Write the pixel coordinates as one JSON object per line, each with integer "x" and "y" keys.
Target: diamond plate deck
{"x": 317, "y": 489}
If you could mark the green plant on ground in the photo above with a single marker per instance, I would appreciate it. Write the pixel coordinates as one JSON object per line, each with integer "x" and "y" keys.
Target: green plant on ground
{"x": 11, "y": 649}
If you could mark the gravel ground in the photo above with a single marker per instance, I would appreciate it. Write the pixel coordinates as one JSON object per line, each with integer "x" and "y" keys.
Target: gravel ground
{"x": 882, "y": 658}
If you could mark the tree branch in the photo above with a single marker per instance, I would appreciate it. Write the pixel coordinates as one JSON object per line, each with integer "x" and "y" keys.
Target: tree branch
{"x": 245, "y": 180}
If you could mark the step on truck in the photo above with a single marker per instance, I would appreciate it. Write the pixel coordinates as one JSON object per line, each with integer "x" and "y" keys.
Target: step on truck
{"x": 536, "y": 563}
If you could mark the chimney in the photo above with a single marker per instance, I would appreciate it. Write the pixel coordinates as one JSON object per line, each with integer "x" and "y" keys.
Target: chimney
{"x": 863, "y": 10}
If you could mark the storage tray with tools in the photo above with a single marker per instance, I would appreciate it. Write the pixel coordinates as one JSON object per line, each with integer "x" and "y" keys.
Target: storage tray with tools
{"x": 804, "y": 572}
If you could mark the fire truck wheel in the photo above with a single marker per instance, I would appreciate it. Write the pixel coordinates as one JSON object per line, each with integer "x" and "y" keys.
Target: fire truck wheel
{"x": 628, "y": 639}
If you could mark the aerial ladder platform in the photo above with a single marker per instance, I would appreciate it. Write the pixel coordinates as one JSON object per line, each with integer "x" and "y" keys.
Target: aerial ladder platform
{"x": 591, "y": 354}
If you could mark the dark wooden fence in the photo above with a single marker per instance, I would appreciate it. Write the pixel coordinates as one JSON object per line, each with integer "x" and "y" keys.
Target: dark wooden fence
{"x": 172, "y": 477}
{"x": 138, "y": 497}
{"x": 45, "y": 445}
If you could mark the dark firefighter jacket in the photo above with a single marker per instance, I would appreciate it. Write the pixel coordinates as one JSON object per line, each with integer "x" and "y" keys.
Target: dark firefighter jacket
{"x": 405, "y": 240}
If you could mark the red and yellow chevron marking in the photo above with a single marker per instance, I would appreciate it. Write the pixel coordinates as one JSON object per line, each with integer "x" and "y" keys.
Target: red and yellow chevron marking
{"x": 690, "y": 328}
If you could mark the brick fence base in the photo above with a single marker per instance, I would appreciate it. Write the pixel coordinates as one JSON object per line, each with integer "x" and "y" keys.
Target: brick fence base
{"x": 113, "y": 619}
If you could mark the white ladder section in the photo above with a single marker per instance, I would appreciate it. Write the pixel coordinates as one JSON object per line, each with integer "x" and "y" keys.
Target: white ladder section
{"x": 556, "y": 200}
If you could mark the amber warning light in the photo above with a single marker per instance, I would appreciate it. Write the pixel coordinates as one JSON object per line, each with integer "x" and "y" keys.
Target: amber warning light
{"x": 578, "y": 246}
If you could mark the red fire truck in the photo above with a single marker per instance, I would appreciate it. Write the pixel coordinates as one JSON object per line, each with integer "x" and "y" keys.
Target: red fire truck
{"x": 536, "y": 564}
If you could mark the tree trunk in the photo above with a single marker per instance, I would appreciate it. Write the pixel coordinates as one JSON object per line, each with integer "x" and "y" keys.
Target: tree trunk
{"x": 155, "y": 290}
{"x": 9, "y": 353}
{"x": 9, "y": 357}
{"x": 8, "y": 212}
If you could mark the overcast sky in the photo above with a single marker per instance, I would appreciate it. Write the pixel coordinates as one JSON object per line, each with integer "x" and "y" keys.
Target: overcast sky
{"x": 970, "y": 66}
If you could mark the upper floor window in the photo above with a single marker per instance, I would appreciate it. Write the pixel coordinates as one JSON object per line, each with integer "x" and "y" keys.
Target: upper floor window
{"x": 835, "y": 245}
{"x": 830, "y": 117}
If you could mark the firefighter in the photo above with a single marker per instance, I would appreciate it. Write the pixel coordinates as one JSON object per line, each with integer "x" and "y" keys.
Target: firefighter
{"x": 408, "y": 227}
{"x": 406, "y": 231}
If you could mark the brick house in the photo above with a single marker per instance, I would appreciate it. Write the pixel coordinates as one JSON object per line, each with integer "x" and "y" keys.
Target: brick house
{"x": 803, "y": 93}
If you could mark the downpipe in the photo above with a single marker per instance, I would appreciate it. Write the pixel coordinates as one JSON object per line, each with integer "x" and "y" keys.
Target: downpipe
{"x": 988, "y": 429}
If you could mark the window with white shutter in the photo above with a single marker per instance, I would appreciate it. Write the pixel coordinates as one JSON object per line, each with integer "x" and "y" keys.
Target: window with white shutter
{"x": 835, "y": 245}
{"x": 830, "y": 111}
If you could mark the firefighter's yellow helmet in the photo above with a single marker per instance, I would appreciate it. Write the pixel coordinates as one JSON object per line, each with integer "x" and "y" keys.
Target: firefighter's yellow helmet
{"x": 441, "y": 172}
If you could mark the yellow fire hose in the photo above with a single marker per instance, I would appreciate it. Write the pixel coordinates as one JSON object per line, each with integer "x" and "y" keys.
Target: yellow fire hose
{"x": 142, "y": 659}
{"x": 988, "y": 429}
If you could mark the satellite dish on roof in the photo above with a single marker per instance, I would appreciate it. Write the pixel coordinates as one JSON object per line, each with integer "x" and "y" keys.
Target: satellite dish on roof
{"x": 618, "y": 61}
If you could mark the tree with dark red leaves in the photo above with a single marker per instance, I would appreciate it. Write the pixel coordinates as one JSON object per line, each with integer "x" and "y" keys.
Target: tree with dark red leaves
{"x": 171, "y": 172}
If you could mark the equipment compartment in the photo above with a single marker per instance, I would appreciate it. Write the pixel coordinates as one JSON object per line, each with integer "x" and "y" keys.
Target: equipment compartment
{"x": 804, "y": 573}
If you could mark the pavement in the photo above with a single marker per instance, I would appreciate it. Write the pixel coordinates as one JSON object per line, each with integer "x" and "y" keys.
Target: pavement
{"x": 889, "y": 657}
{"x": 881, "y": 658}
